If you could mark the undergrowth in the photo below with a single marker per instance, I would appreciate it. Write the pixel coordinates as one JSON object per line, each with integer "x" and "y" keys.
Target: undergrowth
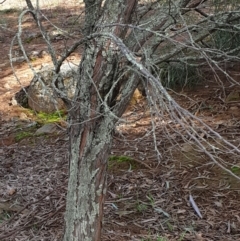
{"x": 178, "y": 75}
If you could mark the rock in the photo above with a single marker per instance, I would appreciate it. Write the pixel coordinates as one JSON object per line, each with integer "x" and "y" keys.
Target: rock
{"x": 13, "y": 102}
{"x": 7, "y": 86}
{"x": 33, "y": 55}
{"x": 41, "y": 95}
{"x": 31, "y": 124}
{"x": 18, "y": 59}
{"x": 47, "y": 129}
{"x": 234, "y": 108}
{"x": 186, "y": 147}
{"x": 57, "y": 34}
{"x": 42, "y": 53}
{"x": 37, "y": 54}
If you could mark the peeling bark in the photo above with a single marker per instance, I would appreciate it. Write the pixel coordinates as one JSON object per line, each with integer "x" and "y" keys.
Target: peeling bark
{"x": 92, "y": 120}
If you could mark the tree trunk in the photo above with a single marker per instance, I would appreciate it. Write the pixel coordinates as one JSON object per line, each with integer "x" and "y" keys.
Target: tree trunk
{"x": 92, "y": 121}
{"x": 90, "y": 141}
{"x": 92, "y": 118}
{"x": 30, "y": 6}
{"x": 89, "y": 150}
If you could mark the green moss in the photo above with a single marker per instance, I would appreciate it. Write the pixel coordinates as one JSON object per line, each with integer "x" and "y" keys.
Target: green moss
{"x": 121, "y": 163}
{"x": 45, "y": 118}
{"x": 23, "y": 134}
{"x": 40, "y": 119}
{"x": 120, "y": 158}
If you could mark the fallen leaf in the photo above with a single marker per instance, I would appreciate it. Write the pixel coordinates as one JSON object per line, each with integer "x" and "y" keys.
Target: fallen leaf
{"x": 218, "y": 204}
{"x": 199, "y": 237}
{"x": 194, "y": 205}
{"x": 11, "y": 191}
{"x": 186, "y": 148}
{"x": 179, "y": 211}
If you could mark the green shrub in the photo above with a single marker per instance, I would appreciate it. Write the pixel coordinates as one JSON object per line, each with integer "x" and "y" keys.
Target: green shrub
{"x": 226, "y": 40}
{"x": 178, "y": 75}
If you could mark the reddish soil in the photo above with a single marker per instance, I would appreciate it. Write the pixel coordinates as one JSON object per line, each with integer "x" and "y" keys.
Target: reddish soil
{"x": 32, "y": 42}
{"x": 148, "y": 199}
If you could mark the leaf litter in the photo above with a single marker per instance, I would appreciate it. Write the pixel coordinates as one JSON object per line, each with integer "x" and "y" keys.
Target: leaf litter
{"x": 148, "y": 201}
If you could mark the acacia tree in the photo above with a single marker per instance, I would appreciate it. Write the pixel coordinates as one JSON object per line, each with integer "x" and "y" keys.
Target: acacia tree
{"x": 127, "y": 42}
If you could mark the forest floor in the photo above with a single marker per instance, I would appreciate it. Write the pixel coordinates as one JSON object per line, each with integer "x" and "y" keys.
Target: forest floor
{"x": 147, "y": 198}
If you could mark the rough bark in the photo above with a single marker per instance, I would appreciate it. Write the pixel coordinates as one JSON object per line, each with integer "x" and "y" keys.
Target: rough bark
{"x": 89, "y": 148}
{"x": 92, "y": 119}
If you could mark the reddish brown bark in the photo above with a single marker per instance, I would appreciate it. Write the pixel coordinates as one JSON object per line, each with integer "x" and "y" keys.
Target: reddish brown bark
{"x": 91, "y": 127}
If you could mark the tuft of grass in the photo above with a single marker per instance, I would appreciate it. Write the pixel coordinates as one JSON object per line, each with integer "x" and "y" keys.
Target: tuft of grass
{"x": 141, "y": 207}
{"x": 177, "y": 75}
{"x": 226, "y": 39}
{"x": 4, "y": 215}
{"x": 151, "y": 199}
{"x": 170, "y": 226}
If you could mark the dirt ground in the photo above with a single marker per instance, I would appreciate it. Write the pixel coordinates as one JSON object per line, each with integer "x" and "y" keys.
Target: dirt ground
{"x": 147, "y": 199}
